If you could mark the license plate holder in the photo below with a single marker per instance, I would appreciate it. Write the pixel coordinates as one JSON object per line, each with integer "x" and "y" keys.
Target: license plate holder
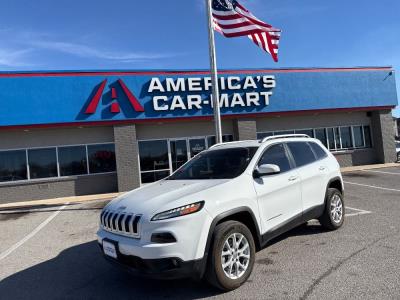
{"x": 110, "y": 248}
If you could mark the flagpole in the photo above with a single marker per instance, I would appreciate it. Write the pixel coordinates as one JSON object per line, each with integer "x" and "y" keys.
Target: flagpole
{"x": 214, "y": 74}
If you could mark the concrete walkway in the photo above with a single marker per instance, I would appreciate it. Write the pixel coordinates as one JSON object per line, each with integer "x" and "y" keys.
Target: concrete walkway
{"x": 82, "y": 199}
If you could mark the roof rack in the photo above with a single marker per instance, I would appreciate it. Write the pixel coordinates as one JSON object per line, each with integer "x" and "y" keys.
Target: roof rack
{"x": 227, "y": 143}
{"x": 284, "y": 136}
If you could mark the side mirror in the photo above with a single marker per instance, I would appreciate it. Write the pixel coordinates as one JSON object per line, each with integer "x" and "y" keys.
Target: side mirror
{"x": 267, "y": 169}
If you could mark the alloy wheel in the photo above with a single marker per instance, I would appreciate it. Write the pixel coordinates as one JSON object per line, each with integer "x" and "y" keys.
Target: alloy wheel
{"x": 336, "y": 208}
{"x": 235, "y": 256}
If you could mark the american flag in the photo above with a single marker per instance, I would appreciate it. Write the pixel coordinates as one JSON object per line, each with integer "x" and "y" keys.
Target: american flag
{"x": 233, "y": 20}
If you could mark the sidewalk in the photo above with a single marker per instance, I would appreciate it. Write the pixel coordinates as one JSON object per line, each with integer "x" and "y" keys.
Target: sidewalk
{"x": 81, "y": 199}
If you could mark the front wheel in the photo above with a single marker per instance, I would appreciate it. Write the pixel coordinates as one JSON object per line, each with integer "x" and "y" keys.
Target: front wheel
{"x": 333, "y": 216}
{"x": 232, "y": 256}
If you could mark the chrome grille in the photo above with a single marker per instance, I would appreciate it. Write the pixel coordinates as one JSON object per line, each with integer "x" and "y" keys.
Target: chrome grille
{"x": 121, "y": 223}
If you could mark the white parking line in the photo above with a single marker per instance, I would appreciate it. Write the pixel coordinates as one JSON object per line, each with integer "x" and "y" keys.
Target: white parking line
{"x": 372, "y": 186}
{"x": 358, "y": 212}
{"x": 30, "y": 235}
{"x": 382, "y": 172}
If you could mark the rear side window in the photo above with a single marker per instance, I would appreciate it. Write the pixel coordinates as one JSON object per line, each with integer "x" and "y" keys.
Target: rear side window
{"x": 319, "y": 152}
{"x": 276, "y": 155}
{"x": 302, "y": 153}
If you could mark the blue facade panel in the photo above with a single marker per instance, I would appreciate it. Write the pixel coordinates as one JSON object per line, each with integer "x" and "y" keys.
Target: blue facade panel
{"x": 33, "y": 99}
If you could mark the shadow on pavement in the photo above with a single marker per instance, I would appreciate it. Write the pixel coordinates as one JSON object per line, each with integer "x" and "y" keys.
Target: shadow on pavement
{"x": 81, "y": 272}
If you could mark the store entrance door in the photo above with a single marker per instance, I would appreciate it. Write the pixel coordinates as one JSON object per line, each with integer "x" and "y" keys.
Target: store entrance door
{"x": 179, "y": 153}
{"x": 196, "y": 146}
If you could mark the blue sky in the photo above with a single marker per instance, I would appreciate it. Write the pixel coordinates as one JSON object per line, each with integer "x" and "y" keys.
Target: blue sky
{"x": 133, "y": 34}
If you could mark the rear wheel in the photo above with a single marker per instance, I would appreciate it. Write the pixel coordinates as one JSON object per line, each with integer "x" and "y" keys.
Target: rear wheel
{"x": 232, "y": 256}
{"x": 333, "y": 216}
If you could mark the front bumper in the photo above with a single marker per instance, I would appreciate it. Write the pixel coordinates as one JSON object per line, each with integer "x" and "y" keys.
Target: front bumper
{"x": 163, "y": 268}
{"x": 181, "y": 258}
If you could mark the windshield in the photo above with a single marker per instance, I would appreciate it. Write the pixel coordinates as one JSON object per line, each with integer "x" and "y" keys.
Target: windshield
{"x": 216, "y": 164}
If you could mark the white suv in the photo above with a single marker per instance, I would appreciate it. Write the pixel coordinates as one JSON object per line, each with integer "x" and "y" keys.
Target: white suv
{"x": 210, "y": 217}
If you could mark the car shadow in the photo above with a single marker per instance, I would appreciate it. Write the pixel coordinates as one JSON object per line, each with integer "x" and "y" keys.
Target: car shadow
{"x": 302, "y": 230}
{"x": 80, "y": 272}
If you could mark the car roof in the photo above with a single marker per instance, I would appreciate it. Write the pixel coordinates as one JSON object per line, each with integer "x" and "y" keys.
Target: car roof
{"x": 258, "y": 143}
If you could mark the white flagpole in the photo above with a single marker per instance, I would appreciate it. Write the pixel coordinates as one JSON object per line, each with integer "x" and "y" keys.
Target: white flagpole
{"x": 214, "y": 74}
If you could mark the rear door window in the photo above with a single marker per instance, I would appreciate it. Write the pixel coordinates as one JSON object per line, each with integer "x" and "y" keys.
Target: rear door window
{"x": 302, "y": 153}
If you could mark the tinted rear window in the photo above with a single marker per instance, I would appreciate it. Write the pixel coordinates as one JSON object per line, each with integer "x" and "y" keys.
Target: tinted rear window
{"x": 318, "y": 151}
{"x": 301, "y": 153}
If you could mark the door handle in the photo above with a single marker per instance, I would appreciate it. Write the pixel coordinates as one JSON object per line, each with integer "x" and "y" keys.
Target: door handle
{"x": 293, "y": 178}
{"x": 322, "y": 168}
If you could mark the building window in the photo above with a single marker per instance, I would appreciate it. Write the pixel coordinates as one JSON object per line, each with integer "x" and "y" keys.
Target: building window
{"x": 149, "y": 177}
{"x": 367, "y": 136}
{"x": 308, "y": 132}
{"x": 101, "y": 158}
{"x": 337, "y": 138}
{"x": 333, "y": 138}
{"x": 358, "y": 136}
{"x": 154, "y": 160}
{"x": 13, "y": 165}
{"x": 284, "y": 132}
{"x": 262, "y": 135}
{"x": 42, "y": 163}
{"x": 72, "y": 160}
{"x": 225, "y": 138}
{"x": 346, "y": 138}
{"x": 196, "y": 146}
{"x": 320, "y": 134}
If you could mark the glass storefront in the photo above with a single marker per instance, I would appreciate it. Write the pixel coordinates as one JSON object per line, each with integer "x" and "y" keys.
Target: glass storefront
{"x": 160, "y": 158}
{"x": 334, "y": 138}
{"x": 58, "y": 161}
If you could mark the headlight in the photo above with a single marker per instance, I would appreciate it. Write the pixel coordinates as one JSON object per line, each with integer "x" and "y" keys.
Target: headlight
{"x": 179, "y": 211}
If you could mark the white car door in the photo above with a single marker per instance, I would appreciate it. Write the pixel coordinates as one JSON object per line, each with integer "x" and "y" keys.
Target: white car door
{"x": 313, "y": 174}
{"x": 279, "y": 195}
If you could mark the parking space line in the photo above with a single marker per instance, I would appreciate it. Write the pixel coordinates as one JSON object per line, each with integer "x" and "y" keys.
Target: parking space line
{"x": 372, "y": 186}
{"x": 382, "y": 172}
{"x": 30, "y": 235}
{"x": 358, "y": 212}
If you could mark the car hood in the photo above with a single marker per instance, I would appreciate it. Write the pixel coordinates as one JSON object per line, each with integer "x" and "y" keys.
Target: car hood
{"x": 163, "y": 195}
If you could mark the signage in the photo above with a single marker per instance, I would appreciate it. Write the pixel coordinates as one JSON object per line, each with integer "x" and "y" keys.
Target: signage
{"x": 234, "y": 92}
{"x": 193, "y": 93}
{"x": 85, "y": 97}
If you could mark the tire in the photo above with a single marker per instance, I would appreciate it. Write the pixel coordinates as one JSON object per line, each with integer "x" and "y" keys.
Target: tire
{"x": 333, "y": 200}
{"x": 215, "y": 273}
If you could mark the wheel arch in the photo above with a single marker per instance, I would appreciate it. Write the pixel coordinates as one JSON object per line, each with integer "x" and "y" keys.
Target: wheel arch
{"x": 241, "y": 214}
{"x": 336, "y": 183}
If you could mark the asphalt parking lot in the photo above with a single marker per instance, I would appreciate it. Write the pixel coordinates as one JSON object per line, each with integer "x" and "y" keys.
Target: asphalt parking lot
{"x": 52, "y": 253}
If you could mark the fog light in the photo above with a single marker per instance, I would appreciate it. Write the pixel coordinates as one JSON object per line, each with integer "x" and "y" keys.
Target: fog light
{"x": 163, "y": 238}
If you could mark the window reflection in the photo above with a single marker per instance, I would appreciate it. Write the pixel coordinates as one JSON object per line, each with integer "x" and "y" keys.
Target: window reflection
{"x": 72, "y": 160}
{"x": 101, "y": 158}
{"x": 13, "y": 165}
{"x": 42, "y": 163}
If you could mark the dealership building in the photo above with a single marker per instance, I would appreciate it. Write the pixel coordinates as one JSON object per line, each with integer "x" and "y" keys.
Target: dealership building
{"x": 89, "y": 132}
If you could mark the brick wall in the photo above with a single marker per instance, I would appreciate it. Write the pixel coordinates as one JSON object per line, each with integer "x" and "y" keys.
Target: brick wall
{"x": 245, "y": 129}
{"x": 126, "y": 152}
{"x": 383, "y": 136}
